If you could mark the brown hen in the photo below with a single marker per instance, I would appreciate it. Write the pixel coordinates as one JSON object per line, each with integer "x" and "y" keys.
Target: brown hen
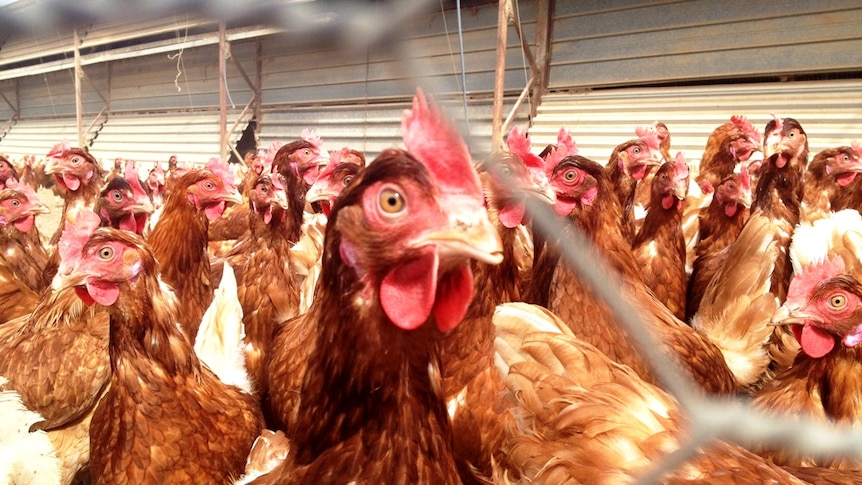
{"x": 166, "y": 418}
{"x": 356, "y": 380}
{"x": 179, "y": 239}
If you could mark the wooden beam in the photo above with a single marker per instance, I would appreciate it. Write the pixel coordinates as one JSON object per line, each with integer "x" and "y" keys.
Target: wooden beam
{"x": 500, "y": 75}
{"x": 544, "y": 31}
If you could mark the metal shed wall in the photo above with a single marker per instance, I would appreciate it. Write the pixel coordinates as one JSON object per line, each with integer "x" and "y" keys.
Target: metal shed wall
{"x": 306, "y": 82}
{"x": 830, "y": 112}
{"x": 600, "y": 43}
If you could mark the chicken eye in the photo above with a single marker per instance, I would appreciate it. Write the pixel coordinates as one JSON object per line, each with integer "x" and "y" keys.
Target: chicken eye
{"x": 837, "y": 301}
{"x": 116, "y": 195}
{"x": 845, "y": 158}
{"x": 208, "y": 185}
{"x": 306, "y": 152}
{"x": 347, "y": 180}
{"x": 391, "y": 201}
{"x": 106, "y": 253}
{"x": 264, "y": 189}
{"x": 570, "y": 175}
{"x": 636, "y": 150}
{"x": 731, "y": 186}
{"x": 76, "y": 160}
{"x": 15, "y": 202}
{"x": 505, "y": 171}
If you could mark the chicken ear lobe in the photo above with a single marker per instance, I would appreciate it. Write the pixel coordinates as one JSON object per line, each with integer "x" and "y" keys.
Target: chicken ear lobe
{"x": 407, "y": 293}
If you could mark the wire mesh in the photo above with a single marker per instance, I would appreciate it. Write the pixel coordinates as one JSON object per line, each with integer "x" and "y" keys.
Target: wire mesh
{"x": 358, "y": 25}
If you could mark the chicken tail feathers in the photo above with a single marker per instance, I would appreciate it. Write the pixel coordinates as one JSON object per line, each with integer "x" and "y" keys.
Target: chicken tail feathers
{"x": 220, "y": 339}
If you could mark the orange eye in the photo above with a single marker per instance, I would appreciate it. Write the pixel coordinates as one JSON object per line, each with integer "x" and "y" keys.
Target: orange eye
{"x": 391, "y": 201}
{"x": 570, "y": 175}
{"x": 106, "y": 253}
{"x": 208, "y": 185}
{"x": 837, "y": 301}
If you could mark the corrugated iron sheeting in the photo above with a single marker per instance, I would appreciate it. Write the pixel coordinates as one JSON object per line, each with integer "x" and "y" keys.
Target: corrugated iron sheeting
{"x": 624, "y": 42}
{"x": 830, "y": 113}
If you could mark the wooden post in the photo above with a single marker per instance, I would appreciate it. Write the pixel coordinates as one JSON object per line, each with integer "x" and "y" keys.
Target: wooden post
{"x": 500, "y": 75}
{"x": 222, "y": 93}
{"x": 79, "y": 103}
{"x": 544, "y": 29}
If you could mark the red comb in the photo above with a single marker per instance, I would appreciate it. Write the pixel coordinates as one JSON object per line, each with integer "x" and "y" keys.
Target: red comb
{"x": 271, "y": 151}
{"x": 649, "y": 136}
{"x": 221, "y": 169}
{"x": 680, "y": 168}
{"x": 857, "y": 147}
{"x": 564, "y": 139}
{"x": 311, "y": 137}
{"x": 436, "y": 143}
{"x": 23, "y": 189}
{"x": 60, "y": 149}
{"x": 131, "y": 176}
{"x": 779, "y": 123}
{"x": 76, "y": 232}
{"x": 521, "y": 146}
{"x": 802, "y": 284}
{"x": 743, "y": 124}
{"x": 334, "y": 160}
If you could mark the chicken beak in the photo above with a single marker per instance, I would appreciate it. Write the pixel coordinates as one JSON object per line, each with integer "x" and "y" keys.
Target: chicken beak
{"x": 39, "y": 209}
{"x": 745, "y": 200}
{"x": 233, "y": 197}
{"x": 544, "y": 193}
{"x": 318, "y": 194}
{"x": 679, "y": 191}
{"x": 786, "y": 315}
{"x": 469, "y": 235}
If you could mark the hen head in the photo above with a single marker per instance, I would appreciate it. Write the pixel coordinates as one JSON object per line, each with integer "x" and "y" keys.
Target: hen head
{"x": 110, "y": 260}
{"x": 576, "y": 181}
{"x": 268, "y": 197}
{"x": 823, "y": 303}
{"x": 156, "y": 178}
{"x": 7, "y": 171}
{"x": 331, "y": 183}
{"x": 124, "y": 204}
{"x": 785, "y": 141}
{"x": 742, "y": 140}
{"x": 734, "y": 192}
{"x": 508, "y": 181}
{"x": 842, "y": 163}
{"x": 670, "y": 184}
{"x": 72, "y": 167}
{"x": 301, "y": 156}
{"x": 210, "y": 190}
{"x": 636, "y": 157}
{"x": 408, "y": 242}
{"x": 19, "y": 206}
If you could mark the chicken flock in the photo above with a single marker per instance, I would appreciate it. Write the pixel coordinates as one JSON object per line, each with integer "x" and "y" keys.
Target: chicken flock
{"x": 405, "y": 320}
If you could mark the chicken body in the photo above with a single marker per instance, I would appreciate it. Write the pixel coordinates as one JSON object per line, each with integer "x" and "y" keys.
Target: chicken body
{"x": 362, "y": 401}
{"x": 719, "y": 225}
{"x": 582, "y": 418}
{"x": 824, "y": 377}
{"x": 179, "y": 239}
{"x": 470, "y": 382}
{"x": 166, "y": 418}
{"x": 659, "y": 247}
{"x": 266, "y": 287}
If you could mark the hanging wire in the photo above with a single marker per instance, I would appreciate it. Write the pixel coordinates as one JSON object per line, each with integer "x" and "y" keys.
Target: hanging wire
{"x": 462, "y": 81}
{"x": 463, "y": 66}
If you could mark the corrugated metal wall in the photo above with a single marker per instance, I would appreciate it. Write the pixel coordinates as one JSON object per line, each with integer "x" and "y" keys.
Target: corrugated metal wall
{"x": 349, "y": 96}
{"x": 625, "y": 42}
{"x": 830, "y": 112}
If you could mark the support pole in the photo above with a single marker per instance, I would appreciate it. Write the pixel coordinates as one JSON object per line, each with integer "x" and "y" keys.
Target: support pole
{"x": 500, "y": 76}
{"x": 79, "y": 103}
{"x": 222, "y": 93}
